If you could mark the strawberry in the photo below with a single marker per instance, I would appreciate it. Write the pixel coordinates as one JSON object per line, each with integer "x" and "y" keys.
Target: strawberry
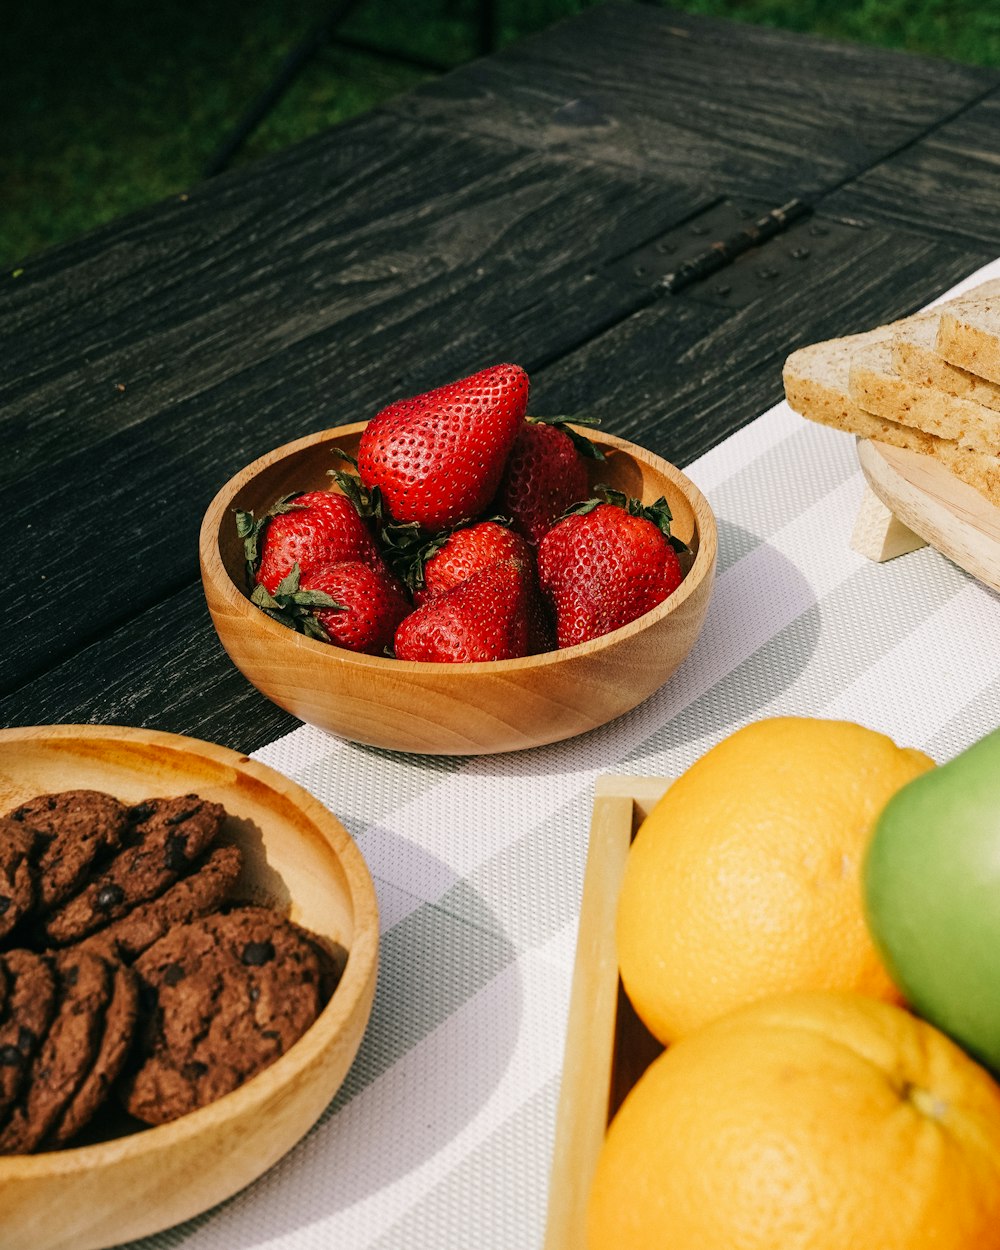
{"x": 437, "y": 458}
{"x": 310, "y": 529}
{"x": 483, "y": 618}
{"x": 607, "y": 564}
{"x": 546, "y": 474}
{"x": 347, "y": 603}
{"x": 455, "y": 556}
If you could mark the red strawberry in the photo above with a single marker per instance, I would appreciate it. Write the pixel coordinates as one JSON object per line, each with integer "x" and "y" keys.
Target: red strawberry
{"x": 483, "y": 618}
{"x": 608, "y": 564}
{"x": 546, "y": 473}
{"x": 348, "y": 604}
{"x": 437, "y": 458}
{"x": 464, "y": 552}
{"x": 309, "y": 529}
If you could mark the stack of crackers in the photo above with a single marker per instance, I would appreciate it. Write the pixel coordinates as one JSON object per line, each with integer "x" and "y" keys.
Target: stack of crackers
{"x": 929, "y": 383}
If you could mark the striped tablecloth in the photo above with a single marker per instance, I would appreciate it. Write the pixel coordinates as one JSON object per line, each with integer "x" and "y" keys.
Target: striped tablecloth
{"x": 442, "y": 1134}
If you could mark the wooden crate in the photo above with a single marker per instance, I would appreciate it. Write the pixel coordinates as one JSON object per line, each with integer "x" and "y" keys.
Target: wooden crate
{"x": 607, "y": 1046}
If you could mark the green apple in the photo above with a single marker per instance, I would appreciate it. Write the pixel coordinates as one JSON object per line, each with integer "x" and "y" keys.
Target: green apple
{"x": 931, "y": 880}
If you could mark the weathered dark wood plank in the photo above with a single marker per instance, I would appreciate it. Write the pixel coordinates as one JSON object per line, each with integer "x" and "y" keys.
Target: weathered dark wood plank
{"x": 664, "y": 377}
{"x": 312, "y": 324}
{"x": 945, "y": 186}
{"x": 683, "y": 400}
{"x": 164, "y": 670}
{"x": 370, "y": 253}
{"x": 477, "y": 221}
{"x": 741, "y": 108}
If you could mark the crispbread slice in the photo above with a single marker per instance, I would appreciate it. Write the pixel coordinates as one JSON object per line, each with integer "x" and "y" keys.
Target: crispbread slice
{"x": 969, "y": 332}
{"x": 876, "y": 386}
{"x": 817, "y": 386}
{"x": 915, "y": 356}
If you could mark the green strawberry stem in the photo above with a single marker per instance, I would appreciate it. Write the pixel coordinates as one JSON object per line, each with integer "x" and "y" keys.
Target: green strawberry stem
{"x": 249, "y": 528}
{"x": 293, "y": 607}
{"x": 658, "y": 512}
{"x": 582, "y": 444}
{"x": 408, "y": 548}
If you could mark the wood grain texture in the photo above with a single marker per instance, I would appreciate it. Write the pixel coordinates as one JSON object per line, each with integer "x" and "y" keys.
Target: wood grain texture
{"x": 299, "y": 857}
{"x": 948, "y": 514}
{"x": 297, "y": 332}
{"x": 454, "y": 709}
{"x": 679, "y": 383}
{"x": 480, "y": 220}
{"x": 604, "y": 1042}
{"x": 678, "y": 377}
{"x": 321, "y": 290}
{"x": 944, "y": 186}
{"x": 163, "y": 669}
{"x": 723, "y": 104}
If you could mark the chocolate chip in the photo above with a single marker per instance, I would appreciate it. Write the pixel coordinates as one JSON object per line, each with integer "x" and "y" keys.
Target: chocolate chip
{"x": 180, "y": 817}
{"x": 109, "y": 896}
{"x": 194, "y": 1070}
{"x": 26, "y": 1040}
{"x": 173, "y": 973}
{"x": 257, "y": 953}
{"x": 10, "y": 1056}
{"x": 5, "y": 903}
{"x": 175, "y": 852}
{"x": 71, "y": 974}
{"x": 141, "y": 812}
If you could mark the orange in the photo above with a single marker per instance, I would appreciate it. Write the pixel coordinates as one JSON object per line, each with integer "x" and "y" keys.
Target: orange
{"x": 745, "y": 879}
{"x": 804, "y": 1122}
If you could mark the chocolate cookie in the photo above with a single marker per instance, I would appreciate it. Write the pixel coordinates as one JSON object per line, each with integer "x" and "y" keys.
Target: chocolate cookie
{"x": 77, "y": 826}
{"x": 202, "y": 891}
{"x": 167, "y": 836}
{"x": 223, "y": 997}
{"x": 19, "y": 845}
{"x": 66, "y": 1054}
{"x": 31, "y": 999}
{"x": 119, "y": 1028}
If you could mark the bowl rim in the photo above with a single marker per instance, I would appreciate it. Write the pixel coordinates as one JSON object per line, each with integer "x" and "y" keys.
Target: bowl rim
{"x": 215, "y": 573}
{"x": 259, "y": 1090}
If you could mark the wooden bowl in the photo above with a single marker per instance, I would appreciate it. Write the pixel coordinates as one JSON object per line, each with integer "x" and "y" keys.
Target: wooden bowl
{"x": 131, "y": 1182}
{"x": 452, "y": 709}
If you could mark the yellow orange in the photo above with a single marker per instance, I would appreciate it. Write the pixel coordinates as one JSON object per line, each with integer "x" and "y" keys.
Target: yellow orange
{"x": 804, "y": 1122}
{"x": 744, "y": 880}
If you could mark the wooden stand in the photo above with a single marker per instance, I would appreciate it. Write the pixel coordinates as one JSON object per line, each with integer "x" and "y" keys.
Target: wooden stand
{"x": 879, "y": 534}
{"x": 913, "y": 500}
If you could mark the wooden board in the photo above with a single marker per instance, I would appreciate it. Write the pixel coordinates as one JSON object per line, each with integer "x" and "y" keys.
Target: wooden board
{"x": 955, "y": 519}
{"x": 607, "y": 1047}
{"x": 692, "y": 98}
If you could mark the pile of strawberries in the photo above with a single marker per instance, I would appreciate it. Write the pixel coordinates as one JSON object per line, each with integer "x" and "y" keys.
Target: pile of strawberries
{"x": 468, "y": 532}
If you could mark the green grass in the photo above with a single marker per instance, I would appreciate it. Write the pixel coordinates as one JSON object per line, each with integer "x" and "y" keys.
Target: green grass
{"x": 123, "y": 104}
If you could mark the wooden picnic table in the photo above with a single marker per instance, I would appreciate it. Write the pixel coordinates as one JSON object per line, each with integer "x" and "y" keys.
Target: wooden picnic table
{"x": 523, "y": 207}
{"x": 534, "y": 206}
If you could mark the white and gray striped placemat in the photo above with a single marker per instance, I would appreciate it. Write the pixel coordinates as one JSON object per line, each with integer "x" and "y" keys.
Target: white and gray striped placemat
{"x": 440, "y": 1138}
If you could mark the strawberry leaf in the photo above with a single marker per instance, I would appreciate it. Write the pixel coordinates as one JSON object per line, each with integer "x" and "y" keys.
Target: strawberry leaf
{"x": 294, "y": 608}
{"x": 582, "y": 444}
{"x": 249, "y": 528}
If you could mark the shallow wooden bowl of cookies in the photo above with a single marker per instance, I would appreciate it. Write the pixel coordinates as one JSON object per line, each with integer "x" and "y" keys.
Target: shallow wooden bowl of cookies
{"x": 128, "y": 1182}
{"x": 452, "y": 709}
